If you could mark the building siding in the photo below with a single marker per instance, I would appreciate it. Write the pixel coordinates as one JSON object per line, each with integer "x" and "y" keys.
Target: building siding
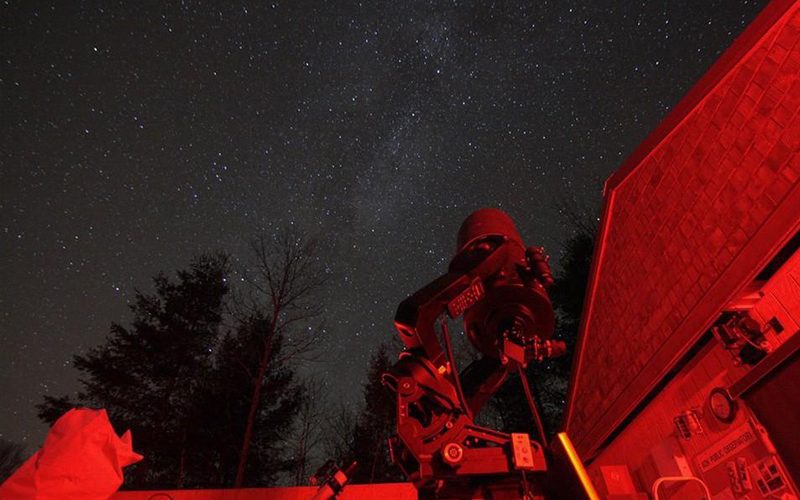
{"x": 675, "y": 223}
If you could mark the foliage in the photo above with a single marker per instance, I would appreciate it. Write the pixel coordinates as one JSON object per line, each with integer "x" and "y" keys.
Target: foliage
{"x": 226, "y": 401}
{"x": 12, "y": 456}
{"x": 363, "y": 435}
{"x": 375, "y": 424}
{"x": 340, "y": 430}
{"x": 147, "y": 375}
{"x": 181, "y": 380}
{"x": 308, "y": 433}
{"x": 287, "y": 277}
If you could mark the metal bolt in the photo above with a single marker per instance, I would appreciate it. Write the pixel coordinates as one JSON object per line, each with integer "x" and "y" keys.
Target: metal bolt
{"x": 452, "y": 453}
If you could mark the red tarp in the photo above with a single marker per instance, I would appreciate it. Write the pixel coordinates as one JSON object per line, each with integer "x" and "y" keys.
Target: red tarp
{"x": 82, "y": 458}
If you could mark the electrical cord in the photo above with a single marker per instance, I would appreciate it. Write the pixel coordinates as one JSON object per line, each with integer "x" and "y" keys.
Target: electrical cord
{"x": 452, "y": 362}
{"x": 532, "y": 405}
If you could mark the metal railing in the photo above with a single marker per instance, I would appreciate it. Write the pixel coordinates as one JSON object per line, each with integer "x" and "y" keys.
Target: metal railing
{"x": 675, "y": 479}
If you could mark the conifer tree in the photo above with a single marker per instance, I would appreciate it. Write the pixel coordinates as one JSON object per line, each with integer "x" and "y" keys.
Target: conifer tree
{"x": 362, "y": 434}
{"x": 146, "y": 375}
{"x": 225, "y": 404}
{"x": 12, "y": 456}
{"x": 375, "y": 424}
{"x": 284, "y": 282}
{"x": 182, "y": 375}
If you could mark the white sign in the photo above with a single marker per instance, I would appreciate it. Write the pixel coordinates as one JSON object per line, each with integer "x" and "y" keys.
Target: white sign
{"x": 731, "y": 444}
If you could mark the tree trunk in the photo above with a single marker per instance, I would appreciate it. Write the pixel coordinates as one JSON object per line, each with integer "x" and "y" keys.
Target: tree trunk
{"x": 300, "y": 471}
{"x": 251, "y": 417}
{"x": 182, "y": 465}
{"x": 182, "y": 471}
{"x": 375, "y": 456}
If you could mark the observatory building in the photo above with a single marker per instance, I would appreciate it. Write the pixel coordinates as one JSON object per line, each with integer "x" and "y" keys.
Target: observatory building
{"x": 687, "y": 363}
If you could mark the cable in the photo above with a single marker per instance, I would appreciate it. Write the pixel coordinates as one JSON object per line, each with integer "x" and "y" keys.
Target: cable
{"x": 451, "y": 360}
{"x": 527, "y": 495}
{"x": 532, "y": 405}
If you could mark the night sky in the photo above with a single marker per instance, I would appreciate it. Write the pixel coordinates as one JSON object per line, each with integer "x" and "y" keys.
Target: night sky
{"x": 136, "y": 134}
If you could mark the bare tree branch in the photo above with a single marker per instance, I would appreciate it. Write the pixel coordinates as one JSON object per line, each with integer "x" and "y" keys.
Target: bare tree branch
{"x": 283, "y": 289}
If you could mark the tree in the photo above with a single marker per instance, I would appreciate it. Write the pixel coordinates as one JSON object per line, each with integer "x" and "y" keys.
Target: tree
{"x": 147, "y": 375}
{"x": 569, "y": 289}
{"x": 375, "y": 423}
{"x": 308, "y": 434}
{"x": 362, "y": 434}
{"x": 210, "y": 397}
{"x": 226, "y": 402}
{"x": 286, "y": 279}
{"x": 12, "y": 456}
{"x": 340, "y": 431}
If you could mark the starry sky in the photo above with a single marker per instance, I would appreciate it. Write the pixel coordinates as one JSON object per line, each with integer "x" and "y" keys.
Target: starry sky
{"x": 135, "y": 134}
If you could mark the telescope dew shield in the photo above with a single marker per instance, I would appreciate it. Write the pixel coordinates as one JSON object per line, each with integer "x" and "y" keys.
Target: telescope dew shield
{"x": 486, "y": 222}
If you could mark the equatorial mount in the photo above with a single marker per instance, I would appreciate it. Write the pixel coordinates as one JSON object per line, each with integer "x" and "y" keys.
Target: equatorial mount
{"x": 499, "y": 286}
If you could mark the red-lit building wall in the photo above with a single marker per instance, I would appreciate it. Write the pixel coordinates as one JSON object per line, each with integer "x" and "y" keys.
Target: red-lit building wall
{"x": 699, "y": 223}
{"x": 712, "y": 367}
{"x": 698, "y": 210}
{"x": 654, "y": 427}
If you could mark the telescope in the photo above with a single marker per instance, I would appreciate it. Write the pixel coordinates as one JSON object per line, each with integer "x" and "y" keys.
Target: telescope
{"x": 499, "y": 286}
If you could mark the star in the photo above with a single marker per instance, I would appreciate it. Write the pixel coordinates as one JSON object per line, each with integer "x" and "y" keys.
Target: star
{"x": 134, "y": 136}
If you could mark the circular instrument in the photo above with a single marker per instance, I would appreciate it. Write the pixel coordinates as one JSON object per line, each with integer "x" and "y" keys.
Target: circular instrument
{"x": 721, "y": 404}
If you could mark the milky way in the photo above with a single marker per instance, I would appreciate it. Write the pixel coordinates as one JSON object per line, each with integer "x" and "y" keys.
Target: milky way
{"x": 136, "y": 134}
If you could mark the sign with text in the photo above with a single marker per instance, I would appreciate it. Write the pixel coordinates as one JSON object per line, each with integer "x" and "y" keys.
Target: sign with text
{"x": 466, "y": 299}
{"x": 737, "y": 440}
